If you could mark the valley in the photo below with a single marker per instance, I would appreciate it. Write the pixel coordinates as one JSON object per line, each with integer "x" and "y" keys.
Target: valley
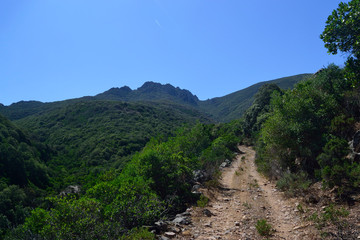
{"x": 277, "y": 160}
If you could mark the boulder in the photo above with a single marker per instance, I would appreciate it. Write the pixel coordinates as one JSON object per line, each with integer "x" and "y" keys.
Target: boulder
{"x": 226, "y": 163}
{"x": 181, "y": 220}
{"x": 199, "y": 176}
{"x": 160, "y": 226}
{"x": 186, "y": 213}
{"x": 72, "y": 189}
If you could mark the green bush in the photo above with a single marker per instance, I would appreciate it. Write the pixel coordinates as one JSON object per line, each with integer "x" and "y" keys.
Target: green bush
{"x": 139, "y": 233}
{"x": 264, "y": 228}
{"x": 330, "y": 214}
{"x": 293, "y": 184}
{"x": 203, "y": 201}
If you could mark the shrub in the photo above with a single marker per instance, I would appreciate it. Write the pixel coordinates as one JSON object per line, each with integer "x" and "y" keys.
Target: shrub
{"x": 330, "y": 214}
{"x": 203, "y": 201}
{"x": 139, "y": 233}
{"x": 264, "y": 228}
{"x": 293, "y": 183}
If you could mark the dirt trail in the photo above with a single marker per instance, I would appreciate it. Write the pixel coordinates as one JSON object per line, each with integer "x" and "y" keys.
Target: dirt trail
{"x": 245, "y": 198}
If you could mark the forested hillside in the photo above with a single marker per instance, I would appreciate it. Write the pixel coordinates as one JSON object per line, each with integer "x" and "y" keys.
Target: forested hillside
{"x": 90, "y": 137}
{"x": 73, "y": 144}
{"x": 155, "y": 183}
{"x": 311, "y": 132}
{"x": 221, "y": 109}
{"x": 22, "y": 161}
{"x": 23, "y": 174}
{"x": 132, "y": 157}
{"x": 233, "y": 106}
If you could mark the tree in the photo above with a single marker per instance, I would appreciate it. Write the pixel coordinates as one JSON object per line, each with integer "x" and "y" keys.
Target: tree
{"x": 342, "y": 33}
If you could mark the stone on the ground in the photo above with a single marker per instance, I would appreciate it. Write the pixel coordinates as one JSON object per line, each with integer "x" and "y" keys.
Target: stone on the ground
{"x": 196, "y": 188}
{"x": 183, "y": 220}
{"x": 186, "y": 233}
{"x": 170, "y": 234}
{"x": 160, "y": 226}
{"x": 207, "y": 212}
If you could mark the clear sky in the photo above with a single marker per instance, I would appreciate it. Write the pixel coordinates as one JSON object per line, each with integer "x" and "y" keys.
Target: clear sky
{"x": 59, "y": 49}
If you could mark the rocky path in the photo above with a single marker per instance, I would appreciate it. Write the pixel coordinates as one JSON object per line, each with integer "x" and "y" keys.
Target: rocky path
{"x": 245, "y": 198}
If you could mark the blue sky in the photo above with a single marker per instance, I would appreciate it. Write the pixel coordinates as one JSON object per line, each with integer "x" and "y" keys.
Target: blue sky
{"x": 53, "y": 50}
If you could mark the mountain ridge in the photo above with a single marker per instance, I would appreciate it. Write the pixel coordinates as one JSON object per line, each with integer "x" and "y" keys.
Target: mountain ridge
{"x": 222, "y": 109}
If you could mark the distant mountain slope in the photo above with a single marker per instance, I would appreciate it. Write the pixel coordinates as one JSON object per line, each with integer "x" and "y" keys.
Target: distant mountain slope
{"x": 232, "y": 106}
{"x": 148, "y": 92}
{"x": 92, "y": 135}
{"x": 151, "y": 91}
{"x": 221, "y": 109}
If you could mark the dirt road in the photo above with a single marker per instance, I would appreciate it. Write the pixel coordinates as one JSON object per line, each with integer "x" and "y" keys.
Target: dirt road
{"x": 245, "y": 198}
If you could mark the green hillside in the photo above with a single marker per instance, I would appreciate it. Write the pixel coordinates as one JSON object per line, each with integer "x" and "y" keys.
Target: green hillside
{"x": 233, "y": 106}
{"x": 222, "y": 109}
{"x": 151, "y": 91}
{"x": 21, "y": 161}
{"x": 91, "y": 136}
{"x": 23, "y": 175}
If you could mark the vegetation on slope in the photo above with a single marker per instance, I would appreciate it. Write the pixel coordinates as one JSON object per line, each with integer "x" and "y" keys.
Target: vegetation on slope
{"x": 307, "y": 132}
{"x": 233, "y": 106}
{"x": 302, "y": 135}
{"x": 21, "y": 161}
{"x": 151, "y": 91}
{"x": 22, "y": 174}
{"x": 156, "y": 182}
{"x": 89, "y": 137}
{"x": 222, "y": 109}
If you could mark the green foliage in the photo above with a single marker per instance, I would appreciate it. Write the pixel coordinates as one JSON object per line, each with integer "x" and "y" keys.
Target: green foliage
{"x": 337, "y": 168}
{"x": 264, "y": 228}
{"x": 294, "y": 133}
{"x": 139, "y": 233}
{"x": 342, "y": 34}
{"x": 91, "y": 137}
{"x": 72, "y": 218}
{"x": 13, "y": 209}
{"x": 234, "y": 105}
{"x": 330, "y": 214}
{"x": 135, "y": 205}
{"x": 257, "y": 114}
{"x": 22, "y": 174}
{"x": 203, "y": 201}
{"x": 293, "y": 184}
{"x": 333, "y": 161}
{"x": 155, "y": 182}
{"x": 20, "y": 160}
{"x": 247, "y": 205}
{"x": 306, "y": 135}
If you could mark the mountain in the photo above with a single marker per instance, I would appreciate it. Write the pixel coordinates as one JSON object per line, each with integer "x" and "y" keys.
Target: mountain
{"x": 232, "y": 106}
{"x": 151, "y": 91}
{"x": 222, "y": 109}
{"x": 92, "y": 136}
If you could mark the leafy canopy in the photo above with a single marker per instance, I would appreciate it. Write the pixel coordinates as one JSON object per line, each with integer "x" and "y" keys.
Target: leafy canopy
{"x": 342, "y": 33}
